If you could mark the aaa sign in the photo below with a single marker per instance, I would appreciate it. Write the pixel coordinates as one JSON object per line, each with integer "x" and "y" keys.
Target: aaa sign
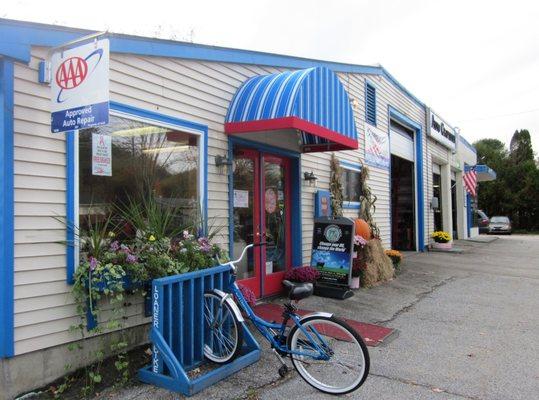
{"x": 80, "y": 87}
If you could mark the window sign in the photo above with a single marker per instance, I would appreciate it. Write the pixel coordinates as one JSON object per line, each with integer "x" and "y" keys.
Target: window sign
{"x": 376, "y": 147}
{"x": 101, "y": 154}
{"x": 80, "y": 87}
{"x": 241, "y": 198}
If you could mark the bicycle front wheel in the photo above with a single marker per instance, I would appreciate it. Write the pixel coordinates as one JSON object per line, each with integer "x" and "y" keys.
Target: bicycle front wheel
{"x": 329, "y": 355}
{"x": 223, "y": 333}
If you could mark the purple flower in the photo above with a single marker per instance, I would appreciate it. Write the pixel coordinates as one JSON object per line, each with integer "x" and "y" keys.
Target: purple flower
{"x": 303, "y": 274}
{"x": 205, "y": 245}
{"x": 114, "y": 246}
{"x": 93, "y": 263}
{"x": 131, "y": 259}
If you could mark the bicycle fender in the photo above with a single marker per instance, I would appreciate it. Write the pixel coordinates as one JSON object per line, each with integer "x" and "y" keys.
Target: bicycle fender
{"x": 316, "y": 314}
{"x": 227, "y": 297}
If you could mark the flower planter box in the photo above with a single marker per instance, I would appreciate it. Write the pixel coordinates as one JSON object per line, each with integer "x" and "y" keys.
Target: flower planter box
{"x": 127, "y": 284}
{"x": 442, "y": 246}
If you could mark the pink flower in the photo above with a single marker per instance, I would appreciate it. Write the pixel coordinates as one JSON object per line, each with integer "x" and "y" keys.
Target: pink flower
{"x": 248, "y": 294}
{"x": 93, "y": 263}
{"x": 114, "y": 246}
{"x": 131, "y": 259}
{"x": 360, "y": 240}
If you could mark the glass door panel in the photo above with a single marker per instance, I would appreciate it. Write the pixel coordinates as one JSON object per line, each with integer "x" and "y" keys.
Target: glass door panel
{"x": 276, "y": 222}
{"x": 275, "y": 217}
{"x": 246, "y": 211}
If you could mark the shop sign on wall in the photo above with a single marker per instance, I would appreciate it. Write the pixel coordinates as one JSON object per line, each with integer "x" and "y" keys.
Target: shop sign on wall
{"x": 376, "y": 147}
{"x": 440, "y": 131}
{"x": 101, "y": 154}
{"x": 332, "y": 250}
{"x": 80, "y": 87}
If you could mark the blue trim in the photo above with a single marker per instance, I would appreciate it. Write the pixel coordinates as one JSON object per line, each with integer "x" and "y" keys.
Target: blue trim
{"x": 351, "y": 205}
{"x": 230, "y": 156}
{"x": 17, "y": 37}
{"x": 467, "y": 144}
{"x": 393, "y": 80}
{"x": 403, "y": 119}
{"x": 295, "y": 195}
{"x": 145, "y": 114}
{"x": 6, "y": 210}
{"x": 350, "y": 165}
{"x": 71, "y": 218}
{"x": 370, "y": 103}
{"x": 469, "y": 213}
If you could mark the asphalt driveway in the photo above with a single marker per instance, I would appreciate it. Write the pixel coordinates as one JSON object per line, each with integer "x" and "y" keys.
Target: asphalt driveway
{"x": 467, "y": 328}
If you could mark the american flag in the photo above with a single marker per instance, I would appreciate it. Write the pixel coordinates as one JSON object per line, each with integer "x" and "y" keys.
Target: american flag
{"x": 470, "y": 181}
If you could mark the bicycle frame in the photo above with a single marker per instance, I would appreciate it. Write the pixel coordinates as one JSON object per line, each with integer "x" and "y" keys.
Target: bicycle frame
{"x": 273, "y": 330}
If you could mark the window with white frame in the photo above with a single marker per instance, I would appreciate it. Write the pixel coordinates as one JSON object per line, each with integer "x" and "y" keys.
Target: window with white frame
{"x": 146, "y": 160}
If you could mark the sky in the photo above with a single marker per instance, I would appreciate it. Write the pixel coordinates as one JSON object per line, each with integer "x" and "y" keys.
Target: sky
{"x": 476, "y": 63}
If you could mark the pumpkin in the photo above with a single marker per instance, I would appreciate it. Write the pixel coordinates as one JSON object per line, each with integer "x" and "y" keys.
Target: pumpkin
{"x": 362, "y": 228}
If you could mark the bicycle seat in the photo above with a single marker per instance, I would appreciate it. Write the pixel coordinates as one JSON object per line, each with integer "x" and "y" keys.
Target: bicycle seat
{"x": 298, "y": 291}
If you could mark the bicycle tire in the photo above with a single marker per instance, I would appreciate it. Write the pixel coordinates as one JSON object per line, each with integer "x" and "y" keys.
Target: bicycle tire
{"x": 363, "y": 354}
{"x": 221, "y": 348}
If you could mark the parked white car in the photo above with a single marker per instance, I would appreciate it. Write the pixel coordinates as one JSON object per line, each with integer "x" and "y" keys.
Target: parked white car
{"x": 499, "y": 224}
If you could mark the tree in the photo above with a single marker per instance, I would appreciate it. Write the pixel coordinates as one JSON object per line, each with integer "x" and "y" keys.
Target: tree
{"x": 521, "y": 146}
{"x": 515, "y": 192}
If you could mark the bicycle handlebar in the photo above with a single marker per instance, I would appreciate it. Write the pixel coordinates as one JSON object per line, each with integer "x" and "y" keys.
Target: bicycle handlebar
{"x": 232, "y": 263}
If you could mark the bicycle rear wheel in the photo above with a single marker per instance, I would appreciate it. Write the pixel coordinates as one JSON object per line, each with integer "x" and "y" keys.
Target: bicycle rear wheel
{"x": 345, "y": 364}
{"x": 223, "y": 333}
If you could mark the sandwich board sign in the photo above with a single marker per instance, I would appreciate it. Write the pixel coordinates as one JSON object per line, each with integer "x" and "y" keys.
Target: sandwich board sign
{"x": 80, "y": 86}
{"x": 332, "y": 250}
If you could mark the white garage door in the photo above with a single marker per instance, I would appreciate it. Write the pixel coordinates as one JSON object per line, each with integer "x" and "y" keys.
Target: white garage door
{"x": 401, "y": 145}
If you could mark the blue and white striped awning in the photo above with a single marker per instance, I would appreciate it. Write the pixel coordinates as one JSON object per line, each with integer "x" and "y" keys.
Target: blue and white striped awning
{"x": 312, "y": 101}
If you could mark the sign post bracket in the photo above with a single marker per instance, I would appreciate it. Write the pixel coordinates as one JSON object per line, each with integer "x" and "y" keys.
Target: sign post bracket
{"x": 45, "y": 72}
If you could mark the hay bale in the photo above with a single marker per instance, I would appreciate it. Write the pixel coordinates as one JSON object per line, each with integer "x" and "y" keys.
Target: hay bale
{"x": 379, "y": 267}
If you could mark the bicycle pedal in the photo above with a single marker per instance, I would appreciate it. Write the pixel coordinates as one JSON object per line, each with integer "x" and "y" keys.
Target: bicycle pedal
{"x": 283, "y": 371}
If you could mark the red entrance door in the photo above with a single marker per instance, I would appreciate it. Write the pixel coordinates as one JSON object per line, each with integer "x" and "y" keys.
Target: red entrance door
{"x": 261, "y": 204}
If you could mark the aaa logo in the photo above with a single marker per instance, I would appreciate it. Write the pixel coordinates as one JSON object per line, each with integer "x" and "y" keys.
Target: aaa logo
{"x": 71, "y": 73}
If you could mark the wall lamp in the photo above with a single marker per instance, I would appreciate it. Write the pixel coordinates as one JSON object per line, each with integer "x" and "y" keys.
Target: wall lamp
{"x": 310, "y": 177}
{"x": 222, "y": 160}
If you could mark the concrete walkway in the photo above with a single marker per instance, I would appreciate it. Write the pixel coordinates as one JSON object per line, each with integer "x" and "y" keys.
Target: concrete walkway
{"x": 466, "y": 329}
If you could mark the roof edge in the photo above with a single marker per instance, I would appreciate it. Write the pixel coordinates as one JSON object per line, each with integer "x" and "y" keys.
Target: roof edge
{"x": 40, "y": 34}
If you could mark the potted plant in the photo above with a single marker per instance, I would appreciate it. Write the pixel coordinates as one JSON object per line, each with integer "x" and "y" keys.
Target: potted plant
{"x": 396, "y": 258}
{"x": 442, "y": 240}
{"x": 302, "y": 274}
{"x": 359, "y": 262}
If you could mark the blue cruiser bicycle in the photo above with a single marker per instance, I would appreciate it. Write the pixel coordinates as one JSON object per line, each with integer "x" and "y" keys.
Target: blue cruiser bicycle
{"x": 327, "y": 353}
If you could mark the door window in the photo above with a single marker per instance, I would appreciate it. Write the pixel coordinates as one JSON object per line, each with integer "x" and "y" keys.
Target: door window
{"x": 275, "y": 216}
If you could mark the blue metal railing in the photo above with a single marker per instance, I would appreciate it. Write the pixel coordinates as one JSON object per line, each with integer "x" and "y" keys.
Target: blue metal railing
{"x": 178, "y": 332}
